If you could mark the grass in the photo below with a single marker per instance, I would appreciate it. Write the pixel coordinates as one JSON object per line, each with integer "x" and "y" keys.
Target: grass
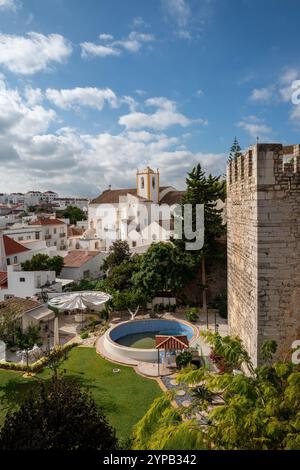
{"x": 124, "y": 397}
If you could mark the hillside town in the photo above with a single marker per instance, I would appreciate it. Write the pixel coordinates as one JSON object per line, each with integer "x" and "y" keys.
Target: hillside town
{"x": 149, "y": 232}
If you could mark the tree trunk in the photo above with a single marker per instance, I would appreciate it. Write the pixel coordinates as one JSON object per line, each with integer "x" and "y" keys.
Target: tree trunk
{"x": 204, "y": 299}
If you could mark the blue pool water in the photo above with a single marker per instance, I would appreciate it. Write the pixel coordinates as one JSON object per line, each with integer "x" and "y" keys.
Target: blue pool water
{"x": 141, "y": 334}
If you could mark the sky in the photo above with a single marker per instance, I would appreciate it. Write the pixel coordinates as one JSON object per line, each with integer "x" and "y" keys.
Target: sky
{"x": 91, "y": 90}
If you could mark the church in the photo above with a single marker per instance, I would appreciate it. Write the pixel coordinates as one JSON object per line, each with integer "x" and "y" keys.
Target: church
{"x": 140, "y": 215}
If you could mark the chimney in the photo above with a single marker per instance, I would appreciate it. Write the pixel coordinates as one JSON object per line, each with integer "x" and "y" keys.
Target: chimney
{"x": 3, "y": 265}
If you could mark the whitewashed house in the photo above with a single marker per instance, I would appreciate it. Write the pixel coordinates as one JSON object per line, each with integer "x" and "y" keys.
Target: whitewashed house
{"x": 54, "y": 232}
{"x": 26, "y": 284}
{"x": 131, "y": 214}
{"x": 81, "y": 264}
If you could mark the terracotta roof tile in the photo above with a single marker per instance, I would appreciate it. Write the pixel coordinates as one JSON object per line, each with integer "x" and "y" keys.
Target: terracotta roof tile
{"x": 12, "y": 247}
{"x": 172, "y": 197}
{"x": 18, "y": 305}
{"x": 3, "y": 279}
{"x": 48, "y": 222}
{"x": 77, "y": 258}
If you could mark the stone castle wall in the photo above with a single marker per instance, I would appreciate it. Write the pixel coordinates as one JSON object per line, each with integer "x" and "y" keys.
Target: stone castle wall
{"x": 263, "y": 212}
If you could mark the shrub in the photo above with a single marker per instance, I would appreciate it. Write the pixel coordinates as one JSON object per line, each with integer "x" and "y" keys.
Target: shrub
{"x": 39, "y": 365}
{"x": 84, "y": 335}
{"x": 183, "y": 359}
{"x": 192, "y": 315}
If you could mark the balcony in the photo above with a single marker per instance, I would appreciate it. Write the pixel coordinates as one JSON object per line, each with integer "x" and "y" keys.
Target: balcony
{"x": 62, "y": 235}
{"x": 48, "y": 237}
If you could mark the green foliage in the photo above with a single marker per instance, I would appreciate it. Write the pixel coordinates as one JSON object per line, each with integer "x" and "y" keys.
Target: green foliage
{"x": 75, "y": 214}
{"x": 235, "y": 150}
{"x": 84, "y": 335}
{"x": 57, "y": 416}
{"x": 192, "y": 314}
{"x": 42, "y": 262}
{"x": 118, "y": 252}
{"x": 268, "y": 349}
{"x": 52, "y": 360}
{"x": 120, "y": 277}
{"x": 162, "y": 268}
{"x": 56, "y": 263}
{"x": 183, "y": 359}
{"x": 228, "y": 353}
{"x": 259, "y": 410}
{"x": 26, "y": 339}
{"x": 162, "y": 428}
{"x": 9, "y": 323}
{"x": 206, "y": 190}
{"x": 131, "y": 300}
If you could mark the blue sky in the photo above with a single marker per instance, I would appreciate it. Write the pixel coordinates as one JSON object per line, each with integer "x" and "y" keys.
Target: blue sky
{"x": 90, "y": 90}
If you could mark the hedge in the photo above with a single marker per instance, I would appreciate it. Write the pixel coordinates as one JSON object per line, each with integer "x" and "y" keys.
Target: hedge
{"x": 39, "y": 365}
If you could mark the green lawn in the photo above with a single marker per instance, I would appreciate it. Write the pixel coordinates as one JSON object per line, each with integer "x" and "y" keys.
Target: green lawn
{"x": 124, "y": 397}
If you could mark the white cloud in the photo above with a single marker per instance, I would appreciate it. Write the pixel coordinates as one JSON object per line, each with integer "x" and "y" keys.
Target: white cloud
{"x": 90, "y": 97}
{"x": 33, "y": 53}
{"x": 180, "y": 13}
{"x": 33, "y": 95}
{"x": 131, "y": 102}
{"x": 89, "y": 49}
{"x": 8, "y": 5}
{"x": 133, "y": 43}
{"x": 262, "y": 94}
{"x": 255, "y": 127}
{"x": 37, "y": 152}
{"x": 179, "y": 10}
{"x": 199, "y": 92}
{"x": 165, "y": 116}
{"x": 106, "y": 37}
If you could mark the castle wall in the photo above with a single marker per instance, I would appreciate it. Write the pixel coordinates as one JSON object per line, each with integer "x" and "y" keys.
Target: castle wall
{"x": 263, "y": 210}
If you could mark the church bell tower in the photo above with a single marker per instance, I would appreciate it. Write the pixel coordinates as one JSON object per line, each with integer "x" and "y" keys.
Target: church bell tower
{"x": 147, "y": 184}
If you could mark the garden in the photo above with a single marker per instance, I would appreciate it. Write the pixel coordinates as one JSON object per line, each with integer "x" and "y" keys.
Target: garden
{"x": 124, "y": 396}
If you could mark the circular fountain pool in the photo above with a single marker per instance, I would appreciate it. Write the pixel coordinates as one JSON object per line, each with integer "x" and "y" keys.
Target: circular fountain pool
{"x": 136, "y": 339}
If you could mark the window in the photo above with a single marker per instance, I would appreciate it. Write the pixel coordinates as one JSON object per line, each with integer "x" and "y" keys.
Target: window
{"x": 54, "y": 230}
{"x": 142, "y": 182}
{"x": 37, "y": 235}
{"x": 22, "y": 279}
{"x": 8, "y": 261}
{"x": 86, "y": 274}
{"x": 153, "y": 183}
{"x": 15, "y": 259}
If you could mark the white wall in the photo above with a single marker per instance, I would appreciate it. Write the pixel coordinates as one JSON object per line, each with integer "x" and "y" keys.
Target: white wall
{"x": 26, "y": 283}
{"x": 93, "y": 266}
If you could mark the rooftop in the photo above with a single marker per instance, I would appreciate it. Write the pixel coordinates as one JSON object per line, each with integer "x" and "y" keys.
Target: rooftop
{"x": 18, "y": 305}
{"x": 111, "y": 196}
{"x": 3, "y": 279}
{"x": 12, "y": 247}
{"x": 48, "y": 222}
{"x": 77, "y": 258}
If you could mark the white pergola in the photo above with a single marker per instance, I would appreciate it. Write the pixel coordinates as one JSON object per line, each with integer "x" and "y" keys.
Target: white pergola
{"x": 78, "y": 302}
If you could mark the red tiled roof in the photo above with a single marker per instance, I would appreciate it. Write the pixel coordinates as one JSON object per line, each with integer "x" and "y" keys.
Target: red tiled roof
{"x": 177, "y": 342}
{"x": 172, "y": 197}
{"x": 48, "y": 222}
{"x": 3, "y": 279}
{"x": 12, "y": 247}
{"x": 77, "y": 258}
{"x": 18, "y": 305}
{"x": 111, "y": 196}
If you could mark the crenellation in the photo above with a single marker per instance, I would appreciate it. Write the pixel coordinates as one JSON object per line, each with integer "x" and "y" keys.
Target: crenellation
{"x": 263, "y": 213}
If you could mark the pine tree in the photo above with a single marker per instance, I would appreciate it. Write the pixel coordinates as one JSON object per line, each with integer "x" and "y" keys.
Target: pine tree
{"x": 206, "y": 191}
{"x": 235, "y": 150}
